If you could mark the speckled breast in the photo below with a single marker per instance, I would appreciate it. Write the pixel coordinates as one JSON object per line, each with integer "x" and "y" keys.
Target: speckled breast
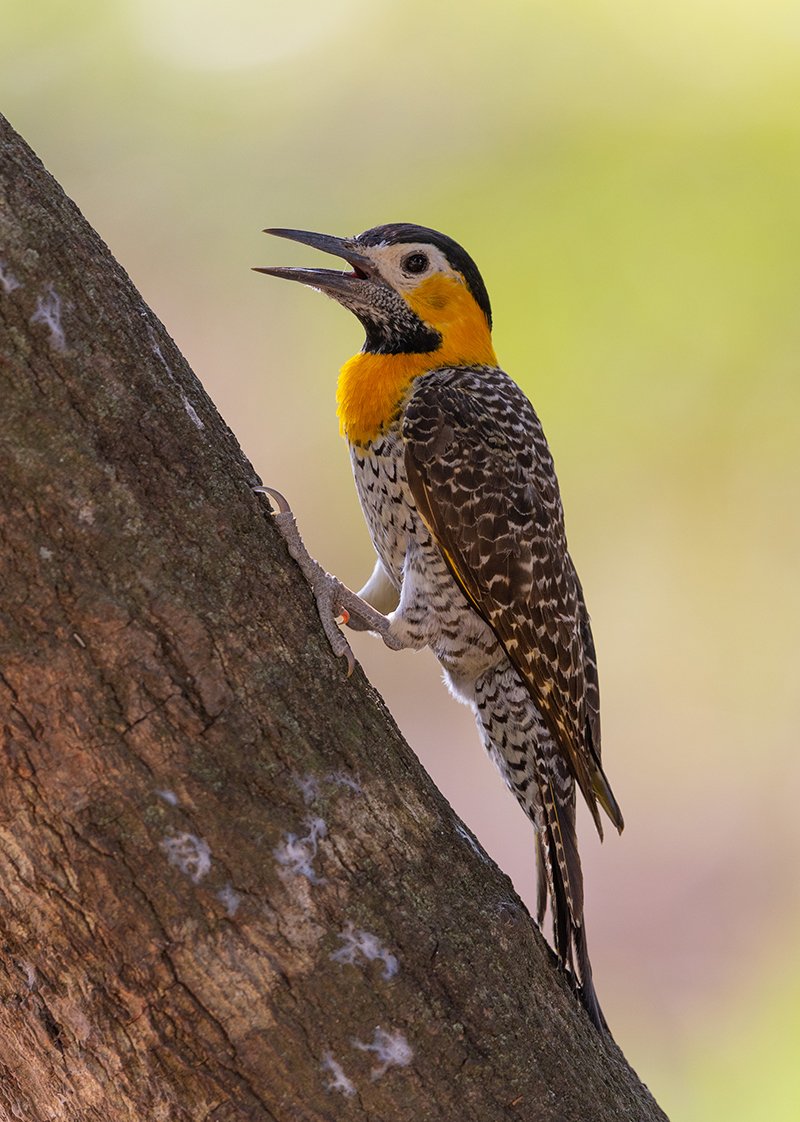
{"x": 436, "y": 612}
{"x": 380, "y": 477}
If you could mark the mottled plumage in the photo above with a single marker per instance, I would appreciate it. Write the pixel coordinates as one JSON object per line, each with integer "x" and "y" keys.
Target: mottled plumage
{"x": 482, "y": 477}
{"x": 463, "y": 507}
{"x": 460, "y": 495}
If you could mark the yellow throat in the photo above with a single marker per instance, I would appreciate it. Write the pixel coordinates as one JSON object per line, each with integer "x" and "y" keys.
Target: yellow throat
{"x": 372, "y": 386}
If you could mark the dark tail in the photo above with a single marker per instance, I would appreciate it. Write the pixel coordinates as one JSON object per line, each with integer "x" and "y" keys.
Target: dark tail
{"x": 561, "y": 878}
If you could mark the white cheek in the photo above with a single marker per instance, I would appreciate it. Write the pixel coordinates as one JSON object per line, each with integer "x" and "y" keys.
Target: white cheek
{"x": 389, "y": 260}
{"x": 407, "y": 283}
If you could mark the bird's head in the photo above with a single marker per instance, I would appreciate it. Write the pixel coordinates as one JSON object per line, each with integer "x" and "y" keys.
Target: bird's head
{"x": 414, "y": 290}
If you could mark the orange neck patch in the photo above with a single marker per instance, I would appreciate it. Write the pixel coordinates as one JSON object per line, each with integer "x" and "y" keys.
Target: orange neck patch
{"x": 372, "y": 386}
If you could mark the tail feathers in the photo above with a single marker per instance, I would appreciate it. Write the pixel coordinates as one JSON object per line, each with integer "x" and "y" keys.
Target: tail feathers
{"x": 542, "y": 879}
{"x": 557, "y": 851}
{"x": 588, "y": 993}
{"x": 559, "y": 906}
{"x": 605, "y": 796}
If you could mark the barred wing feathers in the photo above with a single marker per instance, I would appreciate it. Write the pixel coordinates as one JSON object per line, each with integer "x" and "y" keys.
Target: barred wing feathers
{"x": 483, "y": 481}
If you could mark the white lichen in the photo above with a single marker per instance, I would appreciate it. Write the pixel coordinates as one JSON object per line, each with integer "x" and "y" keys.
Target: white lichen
{"x": 358, "y": 945}
{"x": 342, "y": 779}
{"x": 309, "y": 787}
{"x": 168, "y": 796}
{"x": 339, "y": 1082}
{"x": 391, "y": 1049}
{"x": 155, "y": 346}
{"x": 45, "y": 553}
{"x": 228, "y": 896}
{"x": 30, "y": 975}
{"x": 296, "y": 855}
{"x": 8, "y": 282}
{"x": 191, "y": 412}
{"x": 48, "y": 312}
{"x": 190, "y": 854}
{"x": 472, "y": 842}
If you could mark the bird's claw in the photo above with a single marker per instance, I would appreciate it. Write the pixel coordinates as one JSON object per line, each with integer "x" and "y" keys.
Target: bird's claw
{"x": 339, "y": 644}
{"x": 270, "y": 492}
{"x": 328, "y": 591}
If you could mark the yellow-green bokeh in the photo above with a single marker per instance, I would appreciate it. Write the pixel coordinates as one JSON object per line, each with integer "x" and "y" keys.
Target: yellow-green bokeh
{"x": 627, "y": 176}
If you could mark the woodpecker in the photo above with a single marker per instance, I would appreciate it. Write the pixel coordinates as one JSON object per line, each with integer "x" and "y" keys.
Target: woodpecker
{"x": 458, "y": 488}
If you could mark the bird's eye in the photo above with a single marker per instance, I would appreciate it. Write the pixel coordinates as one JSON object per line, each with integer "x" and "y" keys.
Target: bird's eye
{"x": 415, "y": 263}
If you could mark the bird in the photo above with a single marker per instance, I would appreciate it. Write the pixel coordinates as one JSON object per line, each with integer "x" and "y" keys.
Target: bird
{"x": 459, "y": 491}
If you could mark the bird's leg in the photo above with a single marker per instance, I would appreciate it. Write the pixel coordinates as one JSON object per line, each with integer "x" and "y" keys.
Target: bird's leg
{"x": 335, "y": 601}
{"x": 380, "y": 593}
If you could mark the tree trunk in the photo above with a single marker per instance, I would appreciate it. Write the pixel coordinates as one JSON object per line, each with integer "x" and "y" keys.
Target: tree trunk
{"x": 228, "y": 890}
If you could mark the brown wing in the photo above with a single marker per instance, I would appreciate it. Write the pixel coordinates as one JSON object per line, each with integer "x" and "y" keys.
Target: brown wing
{"x": 482, "y": 477}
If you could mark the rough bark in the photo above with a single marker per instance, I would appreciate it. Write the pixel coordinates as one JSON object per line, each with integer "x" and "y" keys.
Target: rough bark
{"x": 228, "y": 890}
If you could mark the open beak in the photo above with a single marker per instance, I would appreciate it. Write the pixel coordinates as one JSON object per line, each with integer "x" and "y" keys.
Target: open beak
{"x": 336, "y": 284}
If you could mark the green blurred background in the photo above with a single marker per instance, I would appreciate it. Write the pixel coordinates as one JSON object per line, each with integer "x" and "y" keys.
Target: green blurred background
{"x": 627, "y": 176}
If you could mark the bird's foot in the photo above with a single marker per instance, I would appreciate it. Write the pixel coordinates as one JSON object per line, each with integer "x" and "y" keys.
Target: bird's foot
{"x": 336, "y": 603}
